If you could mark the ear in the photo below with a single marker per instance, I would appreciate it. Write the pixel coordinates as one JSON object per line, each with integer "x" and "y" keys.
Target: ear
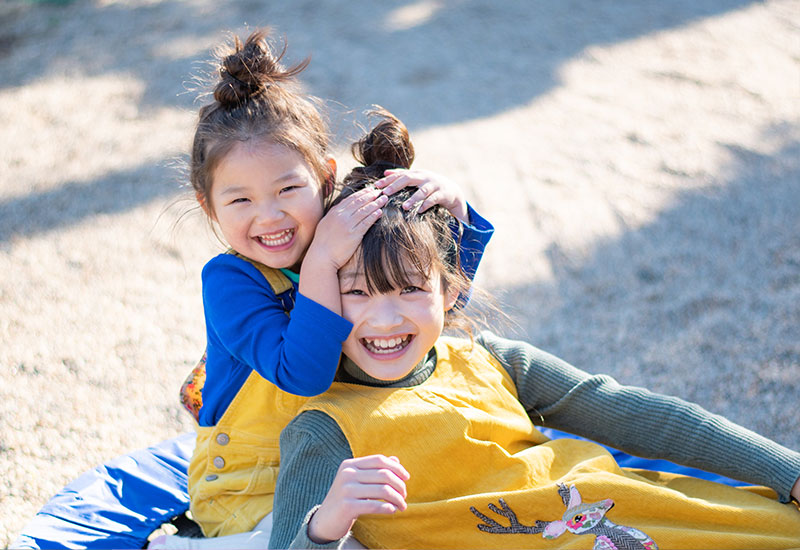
{"x": 201, "y": 199}
{"x": 327, "y": 186}
{"x": 450, "y": 299}
{"x": 574, "y": 497}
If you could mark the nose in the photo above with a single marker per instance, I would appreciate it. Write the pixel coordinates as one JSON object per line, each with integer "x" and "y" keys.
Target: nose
{"x": 268, "y": 212}
{"x": 384, "y": 313}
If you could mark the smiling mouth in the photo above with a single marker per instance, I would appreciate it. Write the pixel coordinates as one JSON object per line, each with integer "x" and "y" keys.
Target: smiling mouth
{"x": 277, "y": 239}
{"x": 386, "y": 346}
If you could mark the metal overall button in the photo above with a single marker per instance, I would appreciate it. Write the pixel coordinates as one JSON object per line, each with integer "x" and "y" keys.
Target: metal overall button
{"x": 219, "y": 462}
{"x": 223, "y": 439}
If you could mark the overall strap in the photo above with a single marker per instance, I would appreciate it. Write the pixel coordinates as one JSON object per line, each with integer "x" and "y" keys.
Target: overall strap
{"x": 279, "y": 282}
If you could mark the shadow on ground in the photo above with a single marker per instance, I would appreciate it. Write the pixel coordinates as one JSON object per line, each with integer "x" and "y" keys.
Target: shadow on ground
{"x": 729, "y": 339}
{"x": 74, "y": 201}
{"x": 434, "y": 63}
{"x": 431, "y": 63}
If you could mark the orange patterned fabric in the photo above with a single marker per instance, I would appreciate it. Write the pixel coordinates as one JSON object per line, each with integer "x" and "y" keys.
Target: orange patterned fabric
{"x": 192, "y": 389}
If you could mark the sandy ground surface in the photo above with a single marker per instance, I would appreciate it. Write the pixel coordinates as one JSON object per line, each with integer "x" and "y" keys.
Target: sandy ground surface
{"x": 641, "y": 162}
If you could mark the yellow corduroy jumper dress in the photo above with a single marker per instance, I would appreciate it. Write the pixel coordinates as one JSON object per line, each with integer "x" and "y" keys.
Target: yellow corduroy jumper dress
{"x": 482, "y": 476}
{"x": 234, "y": 466}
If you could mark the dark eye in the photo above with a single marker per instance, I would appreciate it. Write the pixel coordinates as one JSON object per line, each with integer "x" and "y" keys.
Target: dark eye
{"x": 239, "y": 200}
{"x": 409, "y": 289}
{"x": 289, "y": 188}
{"x": 354, "y": 292}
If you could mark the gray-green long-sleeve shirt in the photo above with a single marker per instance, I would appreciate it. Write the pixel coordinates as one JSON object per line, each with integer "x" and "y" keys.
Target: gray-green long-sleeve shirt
{"x": 560, "y": 396}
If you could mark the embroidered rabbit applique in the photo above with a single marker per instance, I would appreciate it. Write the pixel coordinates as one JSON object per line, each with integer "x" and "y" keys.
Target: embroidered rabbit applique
{"x": 580, "y": 519}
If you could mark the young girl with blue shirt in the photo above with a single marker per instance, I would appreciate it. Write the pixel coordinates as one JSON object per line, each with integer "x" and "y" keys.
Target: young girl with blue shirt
{"x": 261, "y": 172}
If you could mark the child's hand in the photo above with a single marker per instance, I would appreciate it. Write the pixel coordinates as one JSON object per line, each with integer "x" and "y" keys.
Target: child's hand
{"x": 341, "y": 229}
{"x": 795, "y": 493}
{"x": 337, "y": 236}
{"x": 366, "y": 485}
{"x": 432, "y": 189}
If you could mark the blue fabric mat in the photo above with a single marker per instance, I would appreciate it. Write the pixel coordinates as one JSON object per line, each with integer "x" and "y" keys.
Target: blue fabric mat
{"x": 629, "y": 461}
{"x": 118, "y": 504}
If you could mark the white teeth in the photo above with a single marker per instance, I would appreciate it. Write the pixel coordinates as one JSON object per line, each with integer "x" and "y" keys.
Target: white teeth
{"x": 388, "y": 345}
{"x": 277, "y": 239}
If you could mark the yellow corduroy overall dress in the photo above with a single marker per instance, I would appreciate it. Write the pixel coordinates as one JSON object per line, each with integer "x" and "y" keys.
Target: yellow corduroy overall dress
{"x": 234, "y": 466}
{"x": 482, "y": 476}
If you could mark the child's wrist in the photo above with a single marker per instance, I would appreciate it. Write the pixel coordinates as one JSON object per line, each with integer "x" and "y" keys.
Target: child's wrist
{"x": 315, "y": 533}
{"x": 319, "y": 260}
{"x": 461, "y": 212}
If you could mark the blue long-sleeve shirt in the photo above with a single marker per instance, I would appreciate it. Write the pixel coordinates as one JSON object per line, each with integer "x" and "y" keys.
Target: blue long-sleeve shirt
{"x": 247, "y": 328}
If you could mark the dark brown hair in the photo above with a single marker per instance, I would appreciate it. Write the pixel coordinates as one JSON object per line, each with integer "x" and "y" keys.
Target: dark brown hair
{"x": 256, "y": 101}
{"x": 401, "y": 239}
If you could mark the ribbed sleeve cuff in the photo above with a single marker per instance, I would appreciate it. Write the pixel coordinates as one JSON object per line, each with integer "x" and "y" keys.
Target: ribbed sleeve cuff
{"x": 302, "y": 539}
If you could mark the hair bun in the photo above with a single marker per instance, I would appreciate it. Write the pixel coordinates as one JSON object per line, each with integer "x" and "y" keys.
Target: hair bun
{"x": 248, "y": 70}
{"x": 387, "y": 146}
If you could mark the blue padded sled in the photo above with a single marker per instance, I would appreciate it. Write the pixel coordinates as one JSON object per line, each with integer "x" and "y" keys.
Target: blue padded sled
{"x": 629, "y": 461}
{"x": 118, "y": 504}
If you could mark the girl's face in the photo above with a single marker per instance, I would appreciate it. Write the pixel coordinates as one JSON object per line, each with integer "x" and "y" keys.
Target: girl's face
{"x": 392, "y": 332}
{"x": 267, "y": 202}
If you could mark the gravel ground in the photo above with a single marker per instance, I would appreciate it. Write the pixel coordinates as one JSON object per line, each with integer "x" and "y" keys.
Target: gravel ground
{"x": 641, "y": 162}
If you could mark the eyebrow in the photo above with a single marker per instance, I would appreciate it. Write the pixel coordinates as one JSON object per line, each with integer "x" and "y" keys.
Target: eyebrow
{"x": 290, "y": 176}
{"x": 410, "y": 276}
{"x": 235, "y": 190}
{"x": 350, "y": 275}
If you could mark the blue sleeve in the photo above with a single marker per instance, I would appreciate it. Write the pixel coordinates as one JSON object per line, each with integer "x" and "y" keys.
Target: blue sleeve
{"x": 473, "y": 240}
{"x": 245, "y": 319}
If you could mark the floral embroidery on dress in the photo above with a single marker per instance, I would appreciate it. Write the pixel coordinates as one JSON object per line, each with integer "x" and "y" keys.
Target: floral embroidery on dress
{"x": 579, "y": 519}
